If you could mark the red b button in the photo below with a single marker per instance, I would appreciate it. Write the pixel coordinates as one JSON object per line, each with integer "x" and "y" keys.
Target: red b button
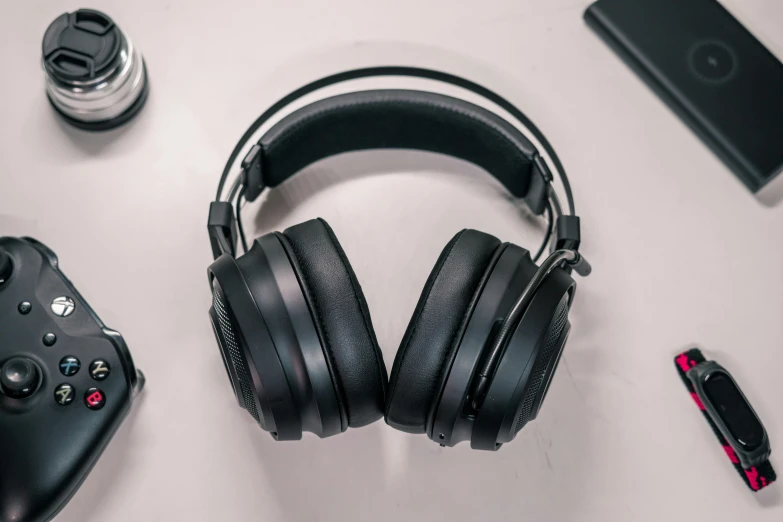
{"x": 94, "y": 399}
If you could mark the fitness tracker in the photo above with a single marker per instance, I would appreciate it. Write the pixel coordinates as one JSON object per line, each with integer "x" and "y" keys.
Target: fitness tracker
{"x": 730, "y": 415}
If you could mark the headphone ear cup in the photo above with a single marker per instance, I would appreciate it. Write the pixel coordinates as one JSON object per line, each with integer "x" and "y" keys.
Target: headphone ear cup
{"x": 342, "y": 319}
{"x": 436, "y": 327}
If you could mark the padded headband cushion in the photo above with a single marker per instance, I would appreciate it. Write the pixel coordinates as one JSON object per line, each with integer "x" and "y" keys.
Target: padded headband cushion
{"x": 398, "y": 119}
{"x": 435, "y": 330}
{"x": 342, "y": 320}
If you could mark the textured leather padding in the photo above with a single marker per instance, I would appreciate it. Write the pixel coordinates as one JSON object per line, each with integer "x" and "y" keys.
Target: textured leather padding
{"x": 431, "y": 339}
{"x": 342, "y": 320}
{"x": 398, "y": 119}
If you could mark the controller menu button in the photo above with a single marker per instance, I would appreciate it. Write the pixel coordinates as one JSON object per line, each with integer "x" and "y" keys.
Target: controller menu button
{"x": 99, "y": 369}
{"x": 19, "y": 377}
{"x": 64, "y": 394}
{"x": 69, "y": 365}
{"x": 94, "y": 398}
{"x": 49, "y": 339}
{"x": 24, "y": 307}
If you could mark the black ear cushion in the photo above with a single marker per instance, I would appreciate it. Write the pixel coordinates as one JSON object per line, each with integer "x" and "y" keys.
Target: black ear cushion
{"x": 342, "y": 320}
{"x": 432, "y": 337}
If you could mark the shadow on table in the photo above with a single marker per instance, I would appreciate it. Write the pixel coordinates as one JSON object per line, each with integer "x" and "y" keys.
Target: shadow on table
{"x": 768, "y": 497}
{"x": 94, "y": 143}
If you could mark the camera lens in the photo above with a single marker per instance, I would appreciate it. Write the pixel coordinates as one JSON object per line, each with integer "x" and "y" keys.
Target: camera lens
{"x": 95, "y": 77}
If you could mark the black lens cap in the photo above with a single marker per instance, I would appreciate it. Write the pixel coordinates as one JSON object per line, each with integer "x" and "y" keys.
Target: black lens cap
{"x": 81, "y": 46}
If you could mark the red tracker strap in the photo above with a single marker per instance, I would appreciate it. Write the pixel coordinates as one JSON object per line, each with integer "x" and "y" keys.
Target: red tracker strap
{"x": 757, "y": 477}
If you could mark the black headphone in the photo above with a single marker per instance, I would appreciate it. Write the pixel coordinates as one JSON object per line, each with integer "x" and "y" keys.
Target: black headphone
{"x": 489, "y": 328}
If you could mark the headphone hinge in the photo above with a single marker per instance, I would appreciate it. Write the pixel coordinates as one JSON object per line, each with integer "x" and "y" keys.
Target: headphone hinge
{"x": 252, "y": 173}
{"x": 538, "y": 191}
{"x": 222, "y": 229}
{"x": 568, "y": 236}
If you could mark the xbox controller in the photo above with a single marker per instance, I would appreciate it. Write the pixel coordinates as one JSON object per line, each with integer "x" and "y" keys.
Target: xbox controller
{"x": 66, "y": 384}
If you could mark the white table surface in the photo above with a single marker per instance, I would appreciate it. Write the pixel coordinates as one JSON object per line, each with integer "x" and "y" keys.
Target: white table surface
{"x": 681, "y": 253}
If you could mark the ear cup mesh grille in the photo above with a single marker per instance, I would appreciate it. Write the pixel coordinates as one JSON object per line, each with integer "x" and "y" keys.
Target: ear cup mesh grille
{"x": 235, "y": 355}
{"x": 542, "y": 363}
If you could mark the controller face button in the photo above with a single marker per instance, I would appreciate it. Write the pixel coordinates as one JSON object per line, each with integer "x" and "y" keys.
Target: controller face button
{"x": 99, "y": 369}
{"x": 69, "y": 365}
{"x": 49, "y": 339}
{"x": 64, "y": 394}
{"x": 94, "y": 398}
{"x": 24, "y": 307}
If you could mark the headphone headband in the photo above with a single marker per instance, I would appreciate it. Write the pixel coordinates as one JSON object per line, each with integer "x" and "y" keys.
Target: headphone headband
{"x": 400, "y": 119}
{"x": 413, "y": 72}
{"x": 406, "y": 119}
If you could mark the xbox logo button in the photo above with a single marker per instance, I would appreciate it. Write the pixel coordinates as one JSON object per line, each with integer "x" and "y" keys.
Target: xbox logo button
{"x": 63, "y": 306}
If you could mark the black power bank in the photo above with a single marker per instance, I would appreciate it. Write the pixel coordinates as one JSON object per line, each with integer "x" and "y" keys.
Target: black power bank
{"x": 712, "y": 72}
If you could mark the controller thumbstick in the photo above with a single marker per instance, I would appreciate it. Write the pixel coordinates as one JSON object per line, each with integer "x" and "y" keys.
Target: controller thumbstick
{"x": 6, "y": 267}
{"x": 19, "y": 377}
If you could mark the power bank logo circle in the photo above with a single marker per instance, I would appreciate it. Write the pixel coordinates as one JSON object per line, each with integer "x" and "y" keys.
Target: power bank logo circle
{"x": 713, "y": 61}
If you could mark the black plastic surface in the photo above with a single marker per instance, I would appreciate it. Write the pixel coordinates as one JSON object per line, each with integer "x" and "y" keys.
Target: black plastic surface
{"x": 710, "y": 70}
{"x": 567, "y": 234}
{"x": 222, "y": 228}
{"x": 226, "y": 333}
{"x": 735, "y": 411}
{"x": 6, "y": 266}
{"x": 252, "y": 166}
{"x": 452, "y": 417}
{"x": 274, "y": 401}
{"x": 731, "y": 412}
{"x": 280, "y": 301}
{"x": 80, "y": 46}
{"x": 46, "y": 448}
{"x": 512, "y": 382}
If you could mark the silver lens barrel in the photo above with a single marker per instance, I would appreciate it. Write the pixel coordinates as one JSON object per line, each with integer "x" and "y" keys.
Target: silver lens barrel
{"x": 95, "y": 76}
